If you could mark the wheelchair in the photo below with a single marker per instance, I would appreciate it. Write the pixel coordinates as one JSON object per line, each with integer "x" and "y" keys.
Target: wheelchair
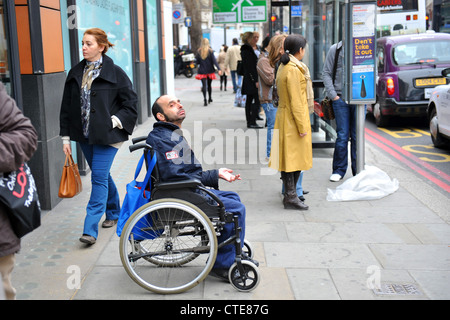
{"x": 169, "y": 245}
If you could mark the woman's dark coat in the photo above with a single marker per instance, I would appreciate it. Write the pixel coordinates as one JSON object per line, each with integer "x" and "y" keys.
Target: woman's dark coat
{"x": 249, "y": 61}
{"x": 206, "y": 66}
{"x": 111, "y": 94}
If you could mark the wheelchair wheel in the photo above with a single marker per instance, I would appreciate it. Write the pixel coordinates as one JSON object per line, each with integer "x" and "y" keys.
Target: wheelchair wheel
{"x": 248, "y": 279}
{"x": 248, "y": 248}
{"x": 168, "y": 246}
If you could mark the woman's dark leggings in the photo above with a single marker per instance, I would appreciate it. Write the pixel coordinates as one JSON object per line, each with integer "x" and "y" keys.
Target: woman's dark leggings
{"x": 206, "y": 84}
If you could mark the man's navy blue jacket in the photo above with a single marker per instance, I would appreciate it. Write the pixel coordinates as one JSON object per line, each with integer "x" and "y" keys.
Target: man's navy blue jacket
{"x": 176, "y": 161}
{"x": 175, "y": 158}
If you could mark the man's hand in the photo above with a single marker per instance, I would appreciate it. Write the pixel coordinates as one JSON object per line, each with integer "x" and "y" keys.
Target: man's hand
{"x": 226, "y": 174}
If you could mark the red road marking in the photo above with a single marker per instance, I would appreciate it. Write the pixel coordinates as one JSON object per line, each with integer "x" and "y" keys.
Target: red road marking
{"x": 401, "y": 155}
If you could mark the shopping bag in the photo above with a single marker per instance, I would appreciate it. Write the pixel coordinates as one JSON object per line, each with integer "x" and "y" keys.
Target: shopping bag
{"x": 239, "y": 100}
{"x": 19, "y": 197}
{"x": 138, "y": 194}
{"x": 70, "y": 184}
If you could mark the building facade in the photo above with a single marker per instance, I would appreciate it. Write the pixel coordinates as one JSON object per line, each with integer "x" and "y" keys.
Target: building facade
{"x": 41, "y": 41}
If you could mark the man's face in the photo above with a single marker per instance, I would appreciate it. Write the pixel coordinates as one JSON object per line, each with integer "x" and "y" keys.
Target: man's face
{"x": 173, "y": 110}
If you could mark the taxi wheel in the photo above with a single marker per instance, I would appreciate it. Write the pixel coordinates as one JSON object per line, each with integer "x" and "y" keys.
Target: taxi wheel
{"x": 380, "y": 119}
{"x": 438, "y": 140}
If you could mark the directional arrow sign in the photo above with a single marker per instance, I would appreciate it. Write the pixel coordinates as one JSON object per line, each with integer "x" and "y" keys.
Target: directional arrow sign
{"x": 234, "y": 11}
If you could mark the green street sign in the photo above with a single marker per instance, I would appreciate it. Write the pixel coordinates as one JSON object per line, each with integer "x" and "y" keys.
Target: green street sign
{"x": 235, "y": 11}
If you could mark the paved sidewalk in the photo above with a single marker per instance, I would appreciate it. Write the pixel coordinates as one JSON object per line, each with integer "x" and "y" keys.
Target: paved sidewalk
{"x": 332, "y": 251}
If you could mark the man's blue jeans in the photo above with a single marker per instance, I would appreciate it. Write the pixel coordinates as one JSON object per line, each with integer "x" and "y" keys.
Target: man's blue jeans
{"x": 226, "y": 255}
{"x": 346, "y": 132}
{"x": 271, "y": 113}
{"x": 104, "y": 195}
{"x": 236, "y": 80}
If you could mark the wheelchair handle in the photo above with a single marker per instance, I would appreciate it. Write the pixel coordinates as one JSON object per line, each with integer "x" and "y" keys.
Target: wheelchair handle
{"x": 138, "y": 139}
{"x": 135, "y": 147}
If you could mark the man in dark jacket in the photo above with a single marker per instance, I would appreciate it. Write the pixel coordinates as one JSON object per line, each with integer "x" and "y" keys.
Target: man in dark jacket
{"x": 18, "y": 142}
{"x": 176, "y": 161}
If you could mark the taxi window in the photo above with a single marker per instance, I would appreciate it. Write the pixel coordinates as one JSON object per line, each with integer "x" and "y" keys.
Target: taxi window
{"x": 422, "y": 52}
{"x": 380, "y": 59}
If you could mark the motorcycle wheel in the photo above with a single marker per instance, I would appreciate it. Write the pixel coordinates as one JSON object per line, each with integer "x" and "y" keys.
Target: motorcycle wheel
{"x": 188, "y": 73}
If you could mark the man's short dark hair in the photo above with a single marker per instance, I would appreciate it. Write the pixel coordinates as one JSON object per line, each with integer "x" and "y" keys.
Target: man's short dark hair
{"x": 156, "y": 108}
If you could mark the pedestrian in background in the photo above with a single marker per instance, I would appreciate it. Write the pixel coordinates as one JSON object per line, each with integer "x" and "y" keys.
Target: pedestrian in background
{"x": 206, "y": 73}
{"x": 223, "y": 67}
{"x": 18, "y": 142}
{"x": 99, "y": 111}
{"x": 250, "y": 83}
{"x": 266, "y": 77}
{"x": 345, "y": 114}
{"x": 231, "y": 60}
{"x": 292, "y": 148}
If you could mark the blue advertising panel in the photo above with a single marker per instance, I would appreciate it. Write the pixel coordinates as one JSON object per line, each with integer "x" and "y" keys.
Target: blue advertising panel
{"x": 362, "y": 77}
{"x": 112, "y": 16}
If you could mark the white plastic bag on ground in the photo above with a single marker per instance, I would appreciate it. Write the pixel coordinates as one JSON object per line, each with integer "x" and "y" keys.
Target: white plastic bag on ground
{"x": 370, "y": 184}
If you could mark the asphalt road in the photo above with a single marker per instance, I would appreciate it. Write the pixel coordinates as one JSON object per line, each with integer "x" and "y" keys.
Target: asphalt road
{"x": 409, "y": 142}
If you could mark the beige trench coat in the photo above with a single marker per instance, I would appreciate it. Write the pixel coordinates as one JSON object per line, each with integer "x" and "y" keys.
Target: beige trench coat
{"x": 289, "y": 151}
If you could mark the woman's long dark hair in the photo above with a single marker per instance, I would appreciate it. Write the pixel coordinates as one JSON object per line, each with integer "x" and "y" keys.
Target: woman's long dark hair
{"x": 292, "y": 45}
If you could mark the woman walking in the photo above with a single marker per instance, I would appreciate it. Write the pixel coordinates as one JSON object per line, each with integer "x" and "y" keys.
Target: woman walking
{"x": 250, "y": 83}
{"x": 223, "y": 67}
{"x": 98, "y": 110}
{"x": 206, "y": 72}
{"x": 292, "y": 146}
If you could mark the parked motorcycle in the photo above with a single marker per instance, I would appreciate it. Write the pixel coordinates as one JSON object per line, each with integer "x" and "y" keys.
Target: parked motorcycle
{"x": 185, "y": 64}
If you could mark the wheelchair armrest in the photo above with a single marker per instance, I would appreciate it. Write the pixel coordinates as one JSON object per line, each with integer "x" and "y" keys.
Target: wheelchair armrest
{"x": 188, "y": 183}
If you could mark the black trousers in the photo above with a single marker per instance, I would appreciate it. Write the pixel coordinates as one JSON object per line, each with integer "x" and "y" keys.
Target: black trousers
{"x": 251, "y": 108}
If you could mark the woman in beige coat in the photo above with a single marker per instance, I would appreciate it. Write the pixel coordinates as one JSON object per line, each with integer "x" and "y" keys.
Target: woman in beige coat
{"x": 291, "y": 144}
{"x": 223, "y": 67}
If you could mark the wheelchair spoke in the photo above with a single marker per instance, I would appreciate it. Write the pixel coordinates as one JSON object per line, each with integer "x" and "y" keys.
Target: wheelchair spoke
{"x": 173, "y": 247}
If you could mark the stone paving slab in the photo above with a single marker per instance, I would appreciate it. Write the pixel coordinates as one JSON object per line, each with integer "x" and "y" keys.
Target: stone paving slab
{"x": 331, "y": 252}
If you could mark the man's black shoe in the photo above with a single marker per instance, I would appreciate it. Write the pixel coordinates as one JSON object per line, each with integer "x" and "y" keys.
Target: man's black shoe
{"x": 221, "y": 273}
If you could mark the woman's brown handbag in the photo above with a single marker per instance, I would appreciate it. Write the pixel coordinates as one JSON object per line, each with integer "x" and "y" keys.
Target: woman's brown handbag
{"x": 70, "y": 184}
{"x": 327, "y": 109}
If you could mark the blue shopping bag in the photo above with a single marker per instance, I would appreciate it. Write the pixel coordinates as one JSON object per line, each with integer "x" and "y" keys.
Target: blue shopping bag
{"x": 137, "y": 195}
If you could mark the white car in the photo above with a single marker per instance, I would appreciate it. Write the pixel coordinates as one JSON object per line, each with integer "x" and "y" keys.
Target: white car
{"x": 439, "y": 113}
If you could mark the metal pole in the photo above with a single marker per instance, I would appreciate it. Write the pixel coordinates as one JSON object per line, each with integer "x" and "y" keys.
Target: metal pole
{"x": 360, "y": 142}
{"x": 224, "y": 34}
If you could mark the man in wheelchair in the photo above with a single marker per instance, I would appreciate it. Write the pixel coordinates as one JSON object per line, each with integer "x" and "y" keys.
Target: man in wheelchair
{"x": 176, "y": 161}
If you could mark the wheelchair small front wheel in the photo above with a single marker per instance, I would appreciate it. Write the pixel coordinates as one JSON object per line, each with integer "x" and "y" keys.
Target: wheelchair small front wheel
{"x": 248, "y": 279}
{"x": 248, "y": 249}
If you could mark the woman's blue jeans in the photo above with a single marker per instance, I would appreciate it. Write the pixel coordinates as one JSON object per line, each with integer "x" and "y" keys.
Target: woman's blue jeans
{"x": 104, "y": 194}
{"x": 346, "y": 132}
{"x": 271, "y": 114}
